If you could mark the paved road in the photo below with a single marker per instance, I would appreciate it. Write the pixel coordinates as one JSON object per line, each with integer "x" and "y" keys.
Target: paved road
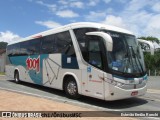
{"x": 2, "y": 77}
{"x": 154, "y": 82}
{"x": 149, "y": 102}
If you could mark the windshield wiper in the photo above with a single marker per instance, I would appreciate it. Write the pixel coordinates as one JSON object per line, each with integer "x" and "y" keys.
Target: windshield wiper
{"x": 129, "y": 56}
{"x": 137, "y": 59}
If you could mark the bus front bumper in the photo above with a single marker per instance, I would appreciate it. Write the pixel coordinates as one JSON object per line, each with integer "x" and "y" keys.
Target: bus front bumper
{"x": 116, "y": 93}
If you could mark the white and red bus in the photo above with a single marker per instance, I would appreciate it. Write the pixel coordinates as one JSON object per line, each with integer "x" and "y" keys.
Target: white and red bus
{"x": 90, "y": 59}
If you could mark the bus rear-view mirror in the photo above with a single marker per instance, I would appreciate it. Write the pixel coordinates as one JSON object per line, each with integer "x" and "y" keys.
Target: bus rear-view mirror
{"x": 151, "y": 46}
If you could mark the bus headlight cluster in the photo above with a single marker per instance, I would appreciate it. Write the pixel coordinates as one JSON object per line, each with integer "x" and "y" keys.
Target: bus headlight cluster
{"x": 132, "y": 82}
{"x": 115, "y": 83}
{"x": 119, "y": 84}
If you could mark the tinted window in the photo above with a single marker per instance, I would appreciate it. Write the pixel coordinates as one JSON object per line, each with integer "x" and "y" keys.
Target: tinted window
{"x": 30, "y": 47}
{"x": 82, "y": 39}
{"x": 94, "y": 52}
{"x": 63, "y": 43}
{"x": 13, "y": 50}
{"x": 24, "y": 48}
{"x": 90, "y": 46}
{"x": 48, "y": 44}
{"x": 34, "y": 46}
{"x": 16, "y": 49}
{"x": 58, "y": 43}
{"x": 9, "y": 50}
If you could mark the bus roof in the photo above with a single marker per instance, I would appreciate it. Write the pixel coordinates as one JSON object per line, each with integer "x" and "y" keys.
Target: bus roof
{"x": 73, "y": 26}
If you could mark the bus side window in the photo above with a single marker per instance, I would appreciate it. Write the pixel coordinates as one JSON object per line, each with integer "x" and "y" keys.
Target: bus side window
{"x": 9, "y": 50}
{"x": 47, "y": 45}
{"x": 30, "y": 47}
{"x": 94, "y": 52}
{"x": 16, "y": 49}
{"x": 64, "y": 44}
{"x": 80, "y": 34}
{"x": 34, "y": 46}
{"x": 24, "y": 48}
{"x": 13, "y": 50}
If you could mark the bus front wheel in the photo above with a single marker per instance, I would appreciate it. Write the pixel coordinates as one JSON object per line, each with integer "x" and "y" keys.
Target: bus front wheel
{"x": 71, "y": 88}
{"x": 16, "y": 77}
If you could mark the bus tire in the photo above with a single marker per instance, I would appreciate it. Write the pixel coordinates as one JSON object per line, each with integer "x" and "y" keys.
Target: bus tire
{"x": 71, "y": 88}
{"x": 16, "y": 77}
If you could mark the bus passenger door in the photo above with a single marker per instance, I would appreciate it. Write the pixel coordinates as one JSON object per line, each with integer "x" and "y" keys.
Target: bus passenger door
{"x": 95, "y": 74}
{"x": 95, "y": 82}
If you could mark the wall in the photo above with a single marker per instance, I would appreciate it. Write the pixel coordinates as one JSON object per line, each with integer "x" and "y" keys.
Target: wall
{"x": 2, "y": 62}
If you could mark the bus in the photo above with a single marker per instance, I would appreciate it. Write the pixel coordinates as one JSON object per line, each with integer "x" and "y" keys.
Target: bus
{"x": 85, "y": 58}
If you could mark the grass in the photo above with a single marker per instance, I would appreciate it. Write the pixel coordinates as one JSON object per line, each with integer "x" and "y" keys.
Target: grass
{"x": 2, "y": 73}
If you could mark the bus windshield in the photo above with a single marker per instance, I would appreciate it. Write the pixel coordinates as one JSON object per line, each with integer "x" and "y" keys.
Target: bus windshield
{"x": 126, "y": 56}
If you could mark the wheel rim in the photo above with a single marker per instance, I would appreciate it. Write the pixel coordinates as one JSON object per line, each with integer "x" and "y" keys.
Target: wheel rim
{"x": 72, "y": 88}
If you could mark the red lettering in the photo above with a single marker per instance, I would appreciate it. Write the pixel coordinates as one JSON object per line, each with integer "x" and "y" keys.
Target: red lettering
{"x": 33, "y": 64}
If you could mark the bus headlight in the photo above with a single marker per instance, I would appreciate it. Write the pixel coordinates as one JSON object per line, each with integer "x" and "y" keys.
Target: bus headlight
{"x": 119, "y": 84}
{"x": 115, "y": 83}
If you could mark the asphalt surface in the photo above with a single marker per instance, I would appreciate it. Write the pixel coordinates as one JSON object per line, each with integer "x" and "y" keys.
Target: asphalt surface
{"x": 149, "y": 102}
{"x": 154, "y": 82}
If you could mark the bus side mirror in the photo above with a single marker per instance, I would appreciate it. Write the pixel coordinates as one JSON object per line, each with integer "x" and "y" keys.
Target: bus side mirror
{"x": 148, "y": 43}
{"x": 107, "y": 39}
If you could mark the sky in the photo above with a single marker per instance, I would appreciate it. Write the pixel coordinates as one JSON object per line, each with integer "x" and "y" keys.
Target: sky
{"x": 21, "y": 18}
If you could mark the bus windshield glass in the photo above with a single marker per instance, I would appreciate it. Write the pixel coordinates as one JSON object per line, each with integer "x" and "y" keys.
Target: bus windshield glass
{"x": 126, "y": 56}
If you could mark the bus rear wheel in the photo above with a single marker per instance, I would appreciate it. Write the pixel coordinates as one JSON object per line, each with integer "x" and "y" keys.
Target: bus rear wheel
{"x": 16, "y": 77}
{"x": 71, "y": 88}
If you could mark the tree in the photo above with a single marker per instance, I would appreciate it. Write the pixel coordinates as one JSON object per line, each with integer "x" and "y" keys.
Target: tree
{"x": 150, "y": 38}
{"x": 3, "y": 45}
{"x": 152, "y": 62}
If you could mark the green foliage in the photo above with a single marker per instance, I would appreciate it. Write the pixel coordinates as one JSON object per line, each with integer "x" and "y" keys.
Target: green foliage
{"x": 2, "y": 73}
{"x": 152, "y": 62}
{"x": 150, "y": 38}
{"x": 3, "y": 45}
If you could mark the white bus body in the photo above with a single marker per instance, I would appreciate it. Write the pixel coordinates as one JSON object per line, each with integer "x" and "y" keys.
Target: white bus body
{"x": 88, "y": 59}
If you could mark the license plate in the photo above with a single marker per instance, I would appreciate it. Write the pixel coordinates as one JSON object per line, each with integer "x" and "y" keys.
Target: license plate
{"x": 134, "y": 93}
